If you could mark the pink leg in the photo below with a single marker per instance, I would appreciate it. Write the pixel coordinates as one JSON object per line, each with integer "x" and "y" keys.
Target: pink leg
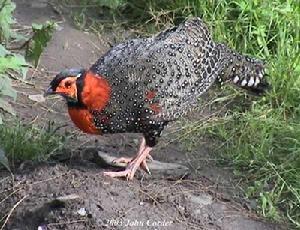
{"x": 138, "y": 161}
{"x": 127, "y": 160}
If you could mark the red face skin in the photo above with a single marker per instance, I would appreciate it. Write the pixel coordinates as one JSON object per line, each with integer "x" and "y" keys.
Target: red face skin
{"x": 95, "y": 96}
{"x": 67, "y": 87}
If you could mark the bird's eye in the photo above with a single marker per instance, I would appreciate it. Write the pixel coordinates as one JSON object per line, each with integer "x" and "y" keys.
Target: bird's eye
{"x": 68, "y": 84}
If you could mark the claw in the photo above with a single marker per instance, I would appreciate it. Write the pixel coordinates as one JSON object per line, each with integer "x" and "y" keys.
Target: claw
{"x": 133, "y": 164}
{"x": 127, "y": 173}
{"x": 149, "y": 157}
{"x": 122, "y": 160}
{"x": 145, "y": 167}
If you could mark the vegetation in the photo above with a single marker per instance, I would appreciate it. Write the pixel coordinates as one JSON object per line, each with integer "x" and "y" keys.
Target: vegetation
{"x": 36, "y": 44}
{"x": 8, "y": 61}
{"x": 19, "y": 142}
{"x": 28, "y": 142}
{"x": 263, "y": 143}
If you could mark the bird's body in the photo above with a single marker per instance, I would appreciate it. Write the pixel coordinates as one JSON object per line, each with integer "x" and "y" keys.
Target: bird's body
{"x": 143, "y": 84}
{"x": 158, "y": 79}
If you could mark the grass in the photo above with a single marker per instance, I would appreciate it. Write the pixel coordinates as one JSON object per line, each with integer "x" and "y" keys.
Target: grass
{"x": 26, "y": 142}
{"x": 21, "y": 142}
{"x": 263, "y": 142}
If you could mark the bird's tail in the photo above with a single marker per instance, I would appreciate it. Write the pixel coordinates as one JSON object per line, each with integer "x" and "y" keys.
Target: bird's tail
{"x": 245, "y": 72}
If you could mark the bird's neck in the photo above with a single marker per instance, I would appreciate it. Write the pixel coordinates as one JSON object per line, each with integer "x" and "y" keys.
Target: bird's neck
{"x": 95, "y": 92}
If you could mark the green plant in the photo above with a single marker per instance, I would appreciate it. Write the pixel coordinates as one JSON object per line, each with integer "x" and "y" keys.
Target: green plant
{"x": 27, "y": 142}
{"x": 42, "y": 34}
{"x": 6, "y": 9}
{"x": 8, "y": 61}
{"x": 19, "y": 142}
{"x": 263, "y": 143}
{"x": 3, "y": 160}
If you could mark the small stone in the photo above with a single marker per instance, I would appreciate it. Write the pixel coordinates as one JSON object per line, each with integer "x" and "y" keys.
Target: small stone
{"x": 201, "y": 200}
{"x": 37, "y": 98}
{"x": 136, "y": 141}
{"x": 59, "y": 28}
{"x": 181, "y": 208}
{"x": 42, "y": 227}
{"x": 82, "y": 212}
{"x": 68, "y": 197}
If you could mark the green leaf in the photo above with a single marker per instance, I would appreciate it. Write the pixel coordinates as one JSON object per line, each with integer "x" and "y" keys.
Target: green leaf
{"x": 6, "y": 107}
{"x": 6, "y": 19}
{"x": 19, "y": 37}
{"x": 13, "y": 62}
{"x": 36, "y": 26}
{"x": 3, "y": 51}
{"x": 6, "y": 88}
{"x": 4, "y": 160}
{"x": 42, "y": 35}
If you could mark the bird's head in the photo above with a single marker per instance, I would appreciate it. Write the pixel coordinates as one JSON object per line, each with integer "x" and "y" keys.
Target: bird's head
{"x": 68, "y": 84}
{"x": 81, "y": 88}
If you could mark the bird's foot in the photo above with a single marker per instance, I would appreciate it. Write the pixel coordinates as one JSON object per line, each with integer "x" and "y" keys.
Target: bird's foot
{"x": 130, "y": 170}
{"x": 124, "y": 173}
{"x": 127, "y": 160}
{"x": 132, "y": 165}
{"x": 123, "y": 160}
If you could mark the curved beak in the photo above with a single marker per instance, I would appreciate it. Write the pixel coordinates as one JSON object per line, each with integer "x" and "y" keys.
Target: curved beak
{"x": 49, "y": 91}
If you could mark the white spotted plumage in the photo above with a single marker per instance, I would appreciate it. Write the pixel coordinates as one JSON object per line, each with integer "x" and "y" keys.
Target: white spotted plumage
{"x": 158, "y": 79}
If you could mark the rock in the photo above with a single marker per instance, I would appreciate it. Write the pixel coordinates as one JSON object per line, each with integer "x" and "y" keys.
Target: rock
{"x": 156, "y": 168}
{"x": 199, "y": 205}
{"x": 37, "y": 98}
{"x": 201, "y": 200}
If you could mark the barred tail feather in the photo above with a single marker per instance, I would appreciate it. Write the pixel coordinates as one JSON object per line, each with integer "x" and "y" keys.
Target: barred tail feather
{"x": 255, "y": 83}
{"x": 242, "y": 71}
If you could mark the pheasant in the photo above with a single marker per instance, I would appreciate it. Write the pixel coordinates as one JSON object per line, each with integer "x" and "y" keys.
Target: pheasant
{"x": 141, "y": 85}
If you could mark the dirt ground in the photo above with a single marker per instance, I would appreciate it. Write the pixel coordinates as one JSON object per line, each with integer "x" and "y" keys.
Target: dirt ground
{"x": 73, "y": 193}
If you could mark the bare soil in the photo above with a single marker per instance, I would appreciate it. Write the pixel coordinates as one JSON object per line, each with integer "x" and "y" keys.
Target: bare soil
{"x": 72, "y": 193}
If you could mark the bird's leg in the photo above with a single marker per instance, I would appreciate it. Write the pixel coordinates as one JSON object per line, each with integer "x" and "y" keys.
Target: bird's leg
{"x": 138, "y": 161}
{"x": 127, "y": 160}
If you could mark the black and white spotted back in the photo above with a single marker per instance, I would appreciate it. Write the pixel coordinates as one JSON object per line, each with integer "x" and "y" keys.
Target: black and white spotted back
{"x": 158, "y": 79}
{"x": 176, "y": 66}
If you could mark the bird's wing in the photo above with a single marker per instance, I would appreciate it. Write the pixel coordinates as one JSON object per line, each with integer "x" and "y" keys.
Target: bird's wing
{"x": 170, "y": 70}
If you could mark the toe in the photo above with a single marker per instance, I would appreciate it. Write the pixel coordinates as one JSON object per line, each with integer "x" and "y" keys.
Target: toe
{"x": 122, "y": 160}
{"x": 149, "y": 157}
{"x": 145, "y": 167}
